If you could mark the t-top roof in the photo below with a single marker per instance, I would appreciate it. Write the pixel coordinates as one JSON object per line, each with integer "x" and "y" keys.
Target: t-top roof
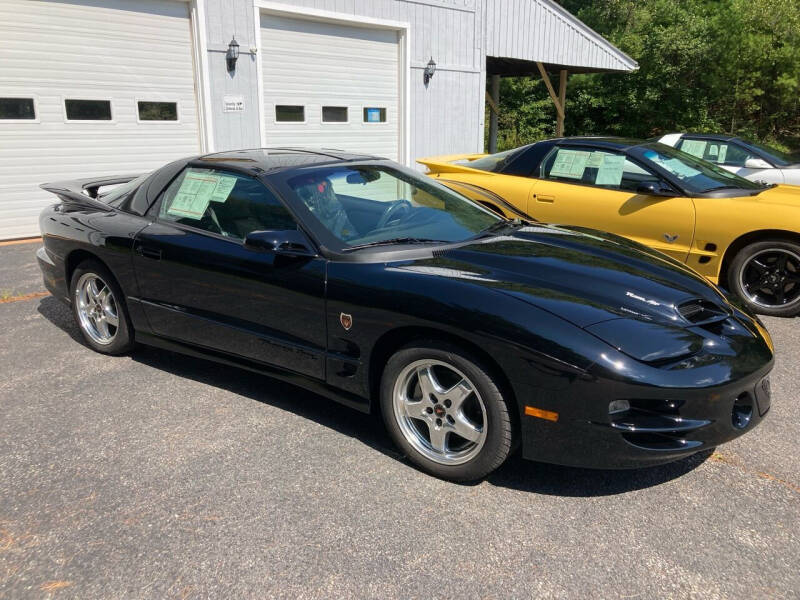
{"x": 274, "y": 159}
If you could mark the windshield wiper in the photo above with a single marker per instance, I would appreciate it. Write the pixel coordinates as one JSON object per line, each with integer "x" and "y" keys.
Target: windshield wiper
{"x": 722, "y": 187}
{"x": 500, "y": 226}
{"x": 399, "y": 240}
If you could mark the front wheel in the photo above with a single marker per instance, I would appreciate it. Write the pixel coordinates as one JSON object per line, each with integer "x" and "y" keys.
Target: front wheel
{"x": 444, "y": 410}
{"x": 99, "y": 310}
{"x": 766, "y": 276}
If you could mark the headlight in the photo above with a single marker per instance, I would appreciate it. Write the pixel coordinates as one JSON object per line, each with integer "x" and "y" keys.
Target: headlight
{"x": 647, "y": 342}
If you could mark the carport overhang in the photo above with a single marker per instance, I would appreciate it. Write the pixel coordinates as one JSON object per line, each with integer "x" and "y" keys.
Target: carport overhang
{"x": 497, "y": 67}
{"x": 564, "y": 45}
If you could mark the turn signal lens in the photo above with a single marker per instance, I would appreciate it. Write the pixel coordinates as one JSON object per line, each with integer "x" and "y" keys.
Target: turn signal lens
{"x": 548, "y": 415}
{"x": 618, "y": 406}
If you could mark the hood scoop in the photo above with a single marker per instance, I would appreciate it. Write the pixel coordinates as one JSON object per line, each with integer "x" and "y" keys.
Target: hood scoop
{"x": 702, "y": 312}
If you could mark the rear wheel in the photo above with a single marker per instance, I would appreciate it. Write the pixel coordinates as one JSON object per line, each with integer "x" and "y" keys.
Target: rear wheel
{"x": 766, "y": 275}
{"x": 99, "y": 310}
{"x": 444, "y": 410}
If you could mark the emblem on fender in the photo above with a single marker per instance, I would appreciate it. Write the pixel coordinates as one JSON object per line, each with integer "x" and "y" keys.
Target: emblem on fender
{"x": 346, "y": 321}
{"x": 670, "y": 238}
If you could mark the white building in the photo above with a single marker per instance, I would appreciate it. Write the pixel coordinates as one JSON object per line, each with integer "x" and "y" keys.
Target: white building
{"x": 101, "y": 87}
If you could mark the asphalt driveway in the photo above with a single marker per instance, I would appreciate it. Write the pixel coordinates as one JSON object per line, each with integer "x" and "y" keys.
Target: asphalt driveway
{"x": 160, "y": 476}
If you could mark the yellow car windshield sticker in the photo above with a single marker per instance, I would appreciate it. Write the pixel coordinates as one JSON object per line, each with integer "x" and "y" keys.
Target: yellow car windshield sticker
{"x": 569, "y": 163}
{"x": 610, "y": 171}
{"x": 196, "y": 191}
{"x": 694, "y": 147}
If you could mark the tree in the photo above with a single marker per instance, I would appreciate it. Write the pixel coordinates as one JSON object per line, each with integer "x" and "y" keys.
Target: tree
{"x": 722, "y": 66}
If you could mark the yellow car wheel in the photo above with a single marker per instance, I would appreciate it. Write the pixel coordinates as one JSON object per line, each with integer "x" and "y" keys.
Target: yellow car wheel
{"x": 766, "y": 275}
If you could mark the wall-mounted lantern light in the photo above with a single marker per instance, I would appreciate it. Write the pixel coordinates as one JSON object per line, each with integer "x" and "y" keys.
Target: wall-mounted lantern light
{"x": 430, "y": 69}
{"x": 232, "y": 55}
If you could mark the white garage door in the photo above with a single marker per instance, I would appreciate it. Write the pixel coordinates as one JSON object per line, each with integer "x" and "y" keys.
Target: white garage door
{"x": 330, "y": 86}
{"x": 89, "y": 87}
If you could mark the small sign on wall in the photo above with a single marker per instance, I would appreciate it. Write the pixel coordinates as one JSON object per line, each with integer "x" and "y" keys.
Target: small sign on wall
{"x": 232, "y": 104}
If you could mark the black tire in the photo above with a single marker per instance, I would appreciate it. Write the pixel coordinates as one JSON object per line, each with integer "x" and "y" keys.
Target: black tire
{"x": 122, "y": 340}
{"x": 498, "y": 440}
{"x": 745, "y": 269}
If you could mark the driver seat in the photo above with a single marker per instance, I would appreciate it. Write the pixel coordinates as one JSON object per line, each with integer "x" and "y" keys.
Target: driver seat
{"x": 321, "y": 200}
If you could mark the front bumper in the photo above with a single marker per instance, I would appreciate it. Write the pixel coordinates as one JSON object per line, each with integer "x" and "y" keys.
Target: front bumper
{"x": 662, "y": 425}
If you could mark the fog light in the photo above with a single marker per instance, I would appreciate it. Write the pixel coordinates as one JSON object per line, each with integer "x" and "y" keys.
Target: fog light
{"x": 742, "y": 411}
{"x": 618, "y": 406}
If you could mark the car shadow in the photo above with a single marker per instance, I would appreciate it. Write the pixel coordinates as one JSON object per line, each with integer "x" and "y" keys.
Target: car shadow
{"x": 555, "y": 480}
{"x": 516, "y": 473}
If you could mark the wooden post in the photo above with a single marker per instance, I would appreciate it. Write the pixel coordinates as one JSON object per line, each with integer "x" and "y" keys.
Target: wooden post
{"x": 562, "y": 99}
{"x": 494, "y": 106}
{"x": 562, "y": 88}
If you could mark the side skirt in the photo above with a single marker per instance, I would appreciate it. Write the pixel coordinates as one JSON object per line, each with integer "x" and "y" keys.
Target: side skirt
{"x": 312, "y": 385}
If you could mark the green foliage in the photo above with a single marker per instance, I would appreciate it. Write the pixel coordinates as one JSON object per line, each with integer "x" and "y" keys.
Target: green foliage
{"x": 721, "y": 66}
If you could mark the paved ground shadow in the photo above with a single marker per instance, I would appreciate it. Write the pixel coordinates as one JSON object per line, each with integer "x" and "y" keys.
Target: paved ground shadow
{"x": 516, "y": 473}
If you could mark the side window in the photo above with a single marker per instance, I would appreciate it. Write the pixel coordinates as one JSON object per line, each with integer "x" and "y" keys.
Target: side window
{"x": 223, "y": 203}
{"x": 599, "y": 168}
{"x": 721, "y": 153}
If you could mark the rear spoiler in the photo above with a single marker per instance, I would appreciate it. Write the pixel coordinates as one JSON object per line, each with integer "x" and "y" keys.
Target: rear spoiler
{"x": 85, "y": 191}
{"x": 450, "y": 163}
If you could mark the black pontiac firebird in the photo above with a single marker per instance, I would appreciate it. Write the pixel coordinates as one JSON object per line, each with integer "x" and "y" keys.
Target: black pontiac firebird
{"x": 380, "y": 288}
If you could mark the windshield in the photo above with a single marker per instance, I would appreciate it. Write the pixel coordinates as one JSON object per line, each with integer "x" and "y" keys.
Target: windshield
{"x": 776, "y": 157}
{"x": 493, "y": 163}
{"x": 375, "y": 204}
{"x": 695, "y": 175}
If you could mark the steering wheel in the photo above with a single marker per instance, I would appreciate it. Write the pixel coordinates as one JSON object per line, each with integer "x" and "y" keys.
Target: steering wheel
{"x": 391, "y": 213}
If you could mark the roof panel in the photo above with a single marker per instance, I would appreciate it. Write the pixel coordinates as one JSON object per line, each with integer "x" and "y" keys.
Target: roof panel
{"x": 543, "y": 31}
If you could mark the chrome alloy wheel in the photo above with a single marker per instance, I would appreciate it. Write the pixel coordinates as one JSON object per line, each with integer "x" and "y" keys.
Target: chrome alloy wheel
{"x": 440, "y": 412}
{"x": 97, "y": 308}
{"x": 771, "y": 278}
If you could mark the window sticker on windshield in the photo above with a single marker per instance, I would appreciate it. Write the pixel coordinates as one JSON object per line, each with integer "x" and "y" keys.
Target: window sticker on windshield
{"x": 723, "y": 152}
{"x": 193, "y": 196}
{"x": 570, "y": 163}
{"x": 694, "y": 147}
{"x": 610, "y": 172}
{"x": 679, "y": 168}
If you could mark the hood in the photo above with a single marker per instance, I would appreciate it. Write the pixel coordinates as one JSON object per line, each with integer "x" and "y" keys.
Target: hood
{"x": 784, "y": 195}
{"x": 583, "y": 276}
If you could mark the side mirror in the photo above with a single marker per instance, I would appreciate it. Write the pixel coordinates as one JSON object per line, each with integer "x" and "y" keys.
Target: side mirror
{"x": 650, "y": 188}
{"x": 756, "y": 163}
{"x": 289, "y": 242}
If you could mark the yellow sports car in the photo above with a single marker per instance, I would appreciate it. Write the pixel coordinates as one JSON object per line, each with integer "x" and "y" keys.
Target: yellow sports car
{"x": 740, "y": 234}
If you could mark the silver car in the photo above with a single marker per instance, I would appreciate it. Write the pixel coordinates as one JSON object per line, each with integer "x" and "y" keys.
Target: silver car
{"x": 745, "y": 158}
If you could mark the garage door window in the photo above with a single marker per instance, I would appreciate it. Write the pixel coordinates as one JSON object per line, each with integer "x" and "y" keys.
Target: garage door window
{"x": 285, "y": 113}
{"x": 334, "y": 114}
{"x": 374, "y": 114}
{"x": 17, "y": 109}
{"x": 157, "y": 111}
{"x": 88, "y": 110}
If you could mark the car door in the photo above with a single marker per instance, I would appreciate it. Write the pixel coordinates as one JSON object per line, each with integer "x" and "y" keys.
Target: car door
{"x": 597, "y": 188}
{"x": 200, "y": 284}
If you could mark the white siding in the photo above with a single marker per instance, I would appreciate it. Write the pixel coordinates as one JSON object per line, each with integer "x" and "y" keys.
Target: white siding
{"x": 121, "y": 50}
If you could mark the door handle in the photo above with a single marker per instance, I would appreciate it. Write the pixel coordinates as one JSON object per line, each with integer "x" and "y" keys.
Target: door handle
{"x": 146, "y": 252}
{"x": 544, "y": 198}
